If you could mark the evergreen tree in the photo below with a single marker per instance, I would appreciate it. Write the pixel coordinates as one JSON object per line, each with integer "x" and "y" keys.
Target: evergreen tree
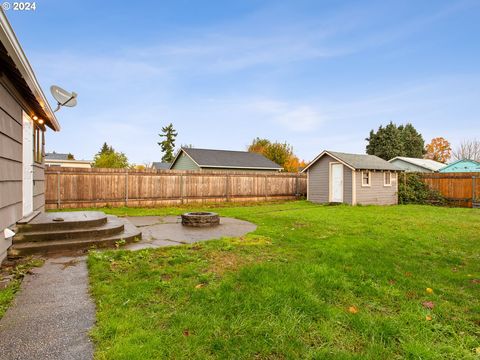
{"x": 391, "y": 141}
{"x": 107, "y": 157}
{"x": 168, "y": 145}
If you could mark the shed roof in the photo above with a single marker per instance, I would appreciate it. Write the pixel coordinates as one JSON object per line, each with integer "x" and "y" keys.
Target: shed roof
{"x": 424, "y": 163}
{"x": 211, "y": 158}
{"x": 357, "y": 161}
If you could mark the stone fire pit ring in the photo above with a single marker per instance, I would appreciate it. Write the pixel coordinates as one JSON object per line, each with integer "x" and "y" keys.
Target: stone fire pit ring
{"x": 200, "y": 219}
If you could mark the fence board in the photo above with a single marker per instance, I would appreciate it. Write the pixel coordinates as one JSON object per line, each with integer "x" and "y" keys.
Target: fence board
{"x": 76, "y": 187}
{"x": 460, "y": 189}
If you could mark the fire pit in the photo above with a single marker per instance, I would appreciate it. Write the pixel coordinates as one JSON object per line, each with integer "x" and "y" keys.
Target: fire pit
{"x": 200, "y": 219}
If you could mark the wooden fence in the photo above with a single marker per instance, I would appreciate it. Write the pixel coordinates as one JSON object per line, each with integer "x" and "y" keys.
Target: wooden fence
{"x": 77, "y": 188}
{"x": 459, "y": 189}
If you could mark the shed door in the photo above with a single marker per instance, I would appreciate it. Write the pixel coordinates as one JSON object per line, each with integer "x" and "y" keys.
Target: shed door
{"x": 336, "y": 181}
{"x": 27, "y": 197}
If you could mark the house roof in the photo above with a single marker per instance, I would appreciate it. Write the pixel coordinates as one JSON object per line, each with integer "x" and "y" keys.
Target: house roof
{"x": 357, "y": 161}
{"x": 228, "y": 159}
{"x": 56, "y": 156}
{"x": 424, "y": 163}
{"x": 468, "y": 165}
{"x": 161, "y": 165}
{"x": 18, "y": 70}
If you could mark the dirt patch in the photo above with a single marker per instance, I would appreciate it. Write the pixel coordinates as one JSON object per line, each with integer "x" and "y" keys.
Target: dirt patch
{"x": 223, "y": 261}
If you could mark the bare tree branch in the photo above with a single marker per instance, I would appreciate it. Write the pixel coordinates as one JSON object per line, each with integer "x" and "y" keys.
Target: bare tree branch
{"x": 468, "y": 149}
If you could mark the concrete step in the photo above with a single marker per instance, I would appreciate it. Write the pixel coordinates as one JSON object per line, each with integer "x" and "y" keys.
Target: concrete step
{"x": 71, "y": 221}
{"x": 70, "y": 246}
{"x": 112, "y": 226}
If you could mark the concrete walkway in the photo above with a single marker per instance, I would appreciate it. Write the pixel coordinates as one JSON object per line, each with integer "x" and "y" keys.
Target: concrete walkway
{"x": 51, "y": 315}
{"x": 53, "y": 312}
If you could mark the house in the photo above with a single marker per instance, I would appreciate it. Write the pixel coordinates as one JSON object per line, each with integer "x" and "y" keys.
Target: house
{"x": 335, "y": 177}
{"x": 416, "y": 165}
{"x": 225, "y": 160}
{"x": 65, "y": 160}
{"x": 461, "y": 166}
{"x": 25, "y": 115}
{"x": 161, "y": 165}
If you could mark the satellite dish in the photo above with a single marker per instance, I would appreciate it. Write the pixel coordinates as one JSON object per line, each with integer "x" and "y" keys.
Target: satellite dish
{"x": 63, "y": 97}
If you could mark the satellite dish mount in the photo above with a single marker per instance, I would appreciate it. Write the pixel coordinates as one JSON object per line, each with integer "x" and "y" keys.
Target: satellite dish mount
{"x": 63, "y": 97}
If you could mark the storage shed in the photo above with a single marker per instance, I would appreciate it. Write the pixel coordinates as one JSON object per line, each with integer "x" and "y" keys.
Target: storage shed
{"x": 335, "y": 177}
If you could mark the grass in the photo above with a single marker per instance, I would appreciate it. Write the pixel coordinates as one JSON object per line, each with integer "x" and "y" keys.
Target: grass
{"x": 17, "y": 273}
{"x": 311, "y": 282}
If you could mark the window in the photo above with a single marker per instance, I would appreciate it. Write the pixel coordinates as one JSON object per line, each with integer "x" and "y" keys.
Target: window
{"x": 387, "y": 178}
{"x": 365, "y": 178}
{"x": 38, "y": 144}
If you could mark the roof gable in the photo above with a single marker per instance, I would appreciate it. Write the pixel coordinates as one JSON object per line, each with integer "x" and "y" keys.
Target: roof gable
{"x": 464, "y": 164}
{"x": 209, "y": 158}
{"x": 424, "y": 163}
{"x": 357, "y": 161}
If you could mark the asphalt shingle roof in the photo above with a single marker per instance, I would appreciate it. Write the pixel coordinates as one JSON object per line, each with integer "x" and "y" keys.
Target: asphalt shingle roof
{"x": 161, "y": 165}
{"x": 230, "y": 159}
{"x": 364, "y": 162}
{"x": 56, "y": 156}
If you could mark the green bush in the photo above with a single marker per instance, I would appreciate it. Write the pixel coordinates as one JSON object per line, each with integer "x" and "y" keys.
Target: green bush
{"x": 412, "y": 190}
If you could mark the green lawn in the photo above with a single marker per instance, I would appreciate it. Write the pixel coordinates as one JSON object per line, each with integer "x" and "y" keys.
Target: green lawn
{"x": 312, "y": 282}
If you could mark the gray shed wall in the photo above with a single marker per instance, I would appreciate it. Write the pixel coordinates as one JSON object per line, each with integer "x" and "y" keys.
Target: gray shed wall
{"x": 377, "y": 193}
{"x": 11, "y": 170}
{"x": 319, "y": 181}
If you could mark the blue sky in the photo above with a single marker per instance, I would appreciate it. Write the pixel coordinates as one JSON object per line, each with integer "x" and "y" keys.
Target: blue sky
{"x": 317, "y": 74}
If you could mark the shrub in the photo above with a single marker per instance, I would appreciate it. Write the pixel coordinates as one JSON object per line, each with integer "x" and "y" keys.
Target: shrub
{"x": 413, "y": 190}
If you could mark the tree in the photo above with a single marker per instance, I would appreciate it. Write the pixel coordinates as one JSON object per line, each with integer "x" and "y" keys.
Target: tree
{"x": 392, "y": 140}
{"x": 280, "y": 153}
{"x": 439, "y": 150}
{"x": 107, "y": 157}
{"x": 168, "y": 145}
{"x": 468, "y": 149}
{"x": 70, "y": 156}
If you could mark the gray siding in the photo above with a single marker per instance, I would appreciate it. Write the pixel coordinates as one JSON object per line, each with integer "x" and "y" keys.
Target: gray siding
{"x": 38, "y": 187}
{"x": 377, "y": 193}
{"x": 319, "y": 181}
{"x": 184, "y": 163}
{"x": 10, "y": 165}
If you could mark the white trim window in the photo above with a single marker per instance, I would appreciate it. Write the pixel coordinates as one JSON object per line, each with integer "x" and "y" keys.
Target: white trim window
{"x": 387, "y": 178}
{"x": 366, "y": 178}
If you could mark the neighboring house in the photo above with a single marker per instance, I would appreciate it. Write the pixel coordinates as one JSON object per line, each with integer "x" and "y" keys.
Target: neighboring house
{"x": 161, "y": 165}
{"x": 207, "y": 159}
{"x": 416, "y": 165}
{"x": 62, "y": 160}
{"x": 461, "y": 166}
{"x": 24, "y": 117}
{"x": 334, "y": 177}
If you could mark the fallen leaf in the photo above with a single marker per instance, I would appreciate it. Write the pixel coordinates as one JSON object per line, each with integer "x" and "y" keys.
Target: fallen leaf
{"x": 352, "y": 310}
{"x": 475, "y": 281}
{"x": 391, "y": 282}
{"x": 199, "y": 286}
{"x": 408, "y": 274}
{"x": 477, "y": 350}
{"x": 428, "y": 304}
{"x": 454, "y": 269}
{"x": 428, "y": 318}
{"x": 429, "y": 290}
{"x": 186, "y": 332}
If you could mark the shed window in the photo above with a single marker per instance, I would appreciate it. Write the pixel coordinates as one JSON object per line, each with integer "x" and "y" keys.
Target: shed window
{"x": 387, "y": 178}
{"x": 366, "y": 179}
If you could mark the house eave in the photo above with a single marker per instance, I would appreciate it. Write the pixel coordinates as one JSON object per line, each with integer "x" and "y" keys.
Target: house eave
{"x": 15, "y": 51}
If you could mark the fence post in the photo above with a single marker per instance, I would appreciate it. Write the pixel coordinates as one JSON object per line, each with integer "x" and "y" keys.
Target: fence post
{"x": 266, "y": 187}
{"x": 181, "y": 189}
{"x": 58, "y": 190}
{"x": 126, "y": 187}
{"x": 473, "y": 191}
{"x": 227, "y": 188}
{"x": 296, "y": 186}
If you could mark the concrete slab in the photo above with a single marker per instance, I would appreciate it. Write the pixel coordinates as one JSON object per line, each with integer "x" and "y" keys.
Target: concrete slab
{"x": 52, "y": 314}
{"x": 168, "y": 231}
